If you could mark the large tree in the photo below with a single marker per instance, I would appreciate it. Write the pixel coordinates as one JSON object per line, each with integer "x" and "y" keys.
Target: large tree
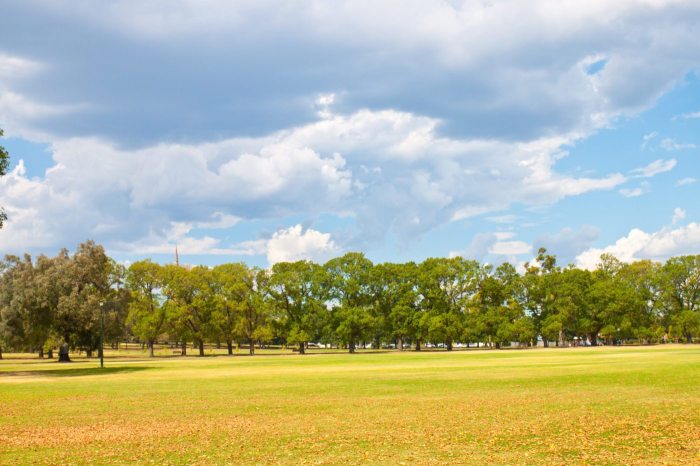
{"x": 147, "y": 312}
{"x": 297, "y": 293}
{"x": 230, "y": 282}
{"x": 348, "y": 284}
{"x": 445, "y": 286}
{"x": 189, "y": 302}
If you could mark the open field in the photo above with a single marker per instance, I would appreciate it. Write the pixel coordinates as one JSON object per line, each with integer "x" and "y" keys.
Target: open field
{"x": 595, "y": 405}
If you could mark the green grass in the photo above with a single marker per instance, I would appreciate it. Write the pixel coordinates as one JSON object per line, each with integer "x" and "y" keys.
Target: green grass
{"x": 580, "y": 405}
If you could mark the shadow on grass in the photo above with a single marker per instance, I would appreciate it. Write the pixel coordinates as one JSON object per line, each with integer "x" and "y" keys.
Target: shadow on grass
{"x": 74, "y": 372}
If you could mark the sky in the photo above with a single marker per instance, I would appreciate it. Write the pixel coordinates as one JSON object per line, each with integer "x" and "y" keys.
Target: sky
{"x": 266, "y": 131}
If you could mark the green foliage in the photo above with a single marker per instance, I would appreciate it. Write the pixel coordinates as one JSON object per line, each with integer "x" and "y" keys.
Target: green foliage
{"x": 4, "y": 165}
{"x": 348, "y": 301}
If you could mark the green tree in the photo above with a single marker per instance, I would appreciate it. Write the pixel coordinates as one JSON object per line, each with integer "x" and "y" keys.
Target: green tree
{"x": 231, "y": 293}
{"x": 4, "y": 165}
{"x": 189, "y": 303}
{"x": 296, "y": 289}
{"x": 681, "y": 292}
{"x": 396, "y": 299}
{"x": 147, "y": 313}
{"x": 85, "y": 286}
{"x": 539, "y": 285}
{"x": 348, "y": 287}
{"x": 445, "y": 286}
{"x": 255, "y": 312}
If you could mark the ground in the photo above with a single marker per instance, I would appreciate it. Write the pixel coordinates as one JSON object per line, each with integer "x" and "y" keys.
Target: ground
{"x": 608, "y": 405}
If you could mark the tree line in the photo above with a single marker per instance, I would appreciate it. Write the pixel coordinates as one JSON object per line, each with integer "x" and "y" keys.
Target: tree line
{"x": 57, "y": 302}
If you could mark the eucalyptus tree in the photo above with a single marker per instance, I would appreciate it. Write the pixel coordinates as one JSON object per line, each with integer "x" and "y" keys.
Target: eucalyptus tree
{"x": 296, "y": 290}
{"x": 348, "y": 286}
{"x": 85, "y": 286}
{"x": 25, "y": 314}
{"x": 147, "y": 311}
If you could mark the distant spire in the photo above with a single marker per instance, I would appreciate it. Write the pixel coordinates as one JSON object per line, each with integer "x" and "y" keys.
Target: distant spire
{"x": 177, "y": 257}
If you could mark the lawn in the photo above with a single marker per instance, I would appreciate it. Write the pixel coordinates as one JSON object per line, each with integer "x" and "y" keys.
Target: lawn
{"x": 580, "y": 405}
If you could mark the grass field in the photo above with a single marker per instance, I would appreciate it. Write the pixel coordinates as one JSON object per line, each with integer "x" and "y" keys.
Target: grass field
{"x": 586, "y": 405}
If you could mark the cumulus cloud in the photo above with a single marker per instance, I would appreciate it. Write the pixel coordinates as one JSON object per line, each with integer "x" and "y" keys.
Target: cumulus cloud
{"x": 402, "y": 116}
{"x": 505, "y": 70}
{"x": 638, "y": 244}
{"x": 388, "y": 170}
{"x": 293, "y": 244}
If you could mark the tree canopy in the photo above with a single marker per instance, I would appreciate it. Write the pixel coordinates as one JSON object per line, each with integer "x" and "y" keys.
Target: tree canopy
{"x": 349, "y": 302}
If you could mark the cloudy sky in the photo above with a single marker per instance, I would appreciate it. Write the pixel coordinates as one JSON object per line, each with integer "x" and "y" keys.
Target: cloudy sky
{"x": 278, "y": 130}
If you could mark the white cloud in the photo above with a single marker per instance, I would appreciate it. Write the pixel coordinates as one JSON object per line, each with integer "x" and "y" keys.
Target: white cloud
{"x": 678, "y": 215}
{"x": 643, "y": 188}
{"x": 654, "y": 168}
{"x": 637, "y": 245}
{"x": 687, "y": 116}
{"x": 293, "y": 244}
{"x": 686, "y": 181}
{"x": 367, "y": 165}
{"x": 647, "y": 138}
{"x": 503, "y": 219}
{"x": 341, "y": 120}
{"x": 510, "y": 248}
{"x": 669, "y": 144}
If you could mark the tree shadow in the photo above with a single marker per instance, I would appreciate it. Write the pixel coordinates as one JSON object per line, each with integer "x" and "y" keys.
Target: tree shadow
{"x": 75, "y": 372}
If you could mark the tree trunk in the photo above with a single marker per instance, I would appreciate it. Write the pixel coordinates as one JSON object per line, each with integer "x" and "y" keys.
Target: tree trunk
{"x": 417, "y": 345}
{"x": 545, "y": 342}
{"x": 0, "y": 352}
{"x": 351, "y": 347}
{"x": 50, "y": 355}
{"x": 41, "y": 352}
{"x": 150, "y": 349}
{"x": 594, "y": 339}
{"x": 183, "y": 349}
{"x": 229, "y": 345}
{"x": 302, "y": 347}
{"x": 201, "y": 347}
{"x": 449, "y": 345}
{"x": 88, "y": 352}
{"x": 498, "y": 345}
{"x": 689, "y": 338}
{"x": 399, "y": 344}
{"x": 251, "y": 347}
{"x": 63, "y": 355}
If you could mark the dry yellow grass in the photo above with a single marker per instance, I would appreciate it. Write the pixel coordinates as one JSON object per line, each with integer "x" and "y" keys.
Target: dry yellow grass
{"x": 588, "y": 405}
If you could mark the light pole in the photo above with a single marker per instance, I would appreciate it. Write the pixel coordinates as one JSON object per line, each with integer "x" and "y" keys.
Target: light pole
{"x": 102, "y": 334}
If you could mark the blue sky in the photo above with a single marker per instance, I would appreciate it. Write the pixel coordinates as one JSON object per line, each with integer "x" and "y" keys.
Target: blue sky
{"x": 268, "y": 131}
